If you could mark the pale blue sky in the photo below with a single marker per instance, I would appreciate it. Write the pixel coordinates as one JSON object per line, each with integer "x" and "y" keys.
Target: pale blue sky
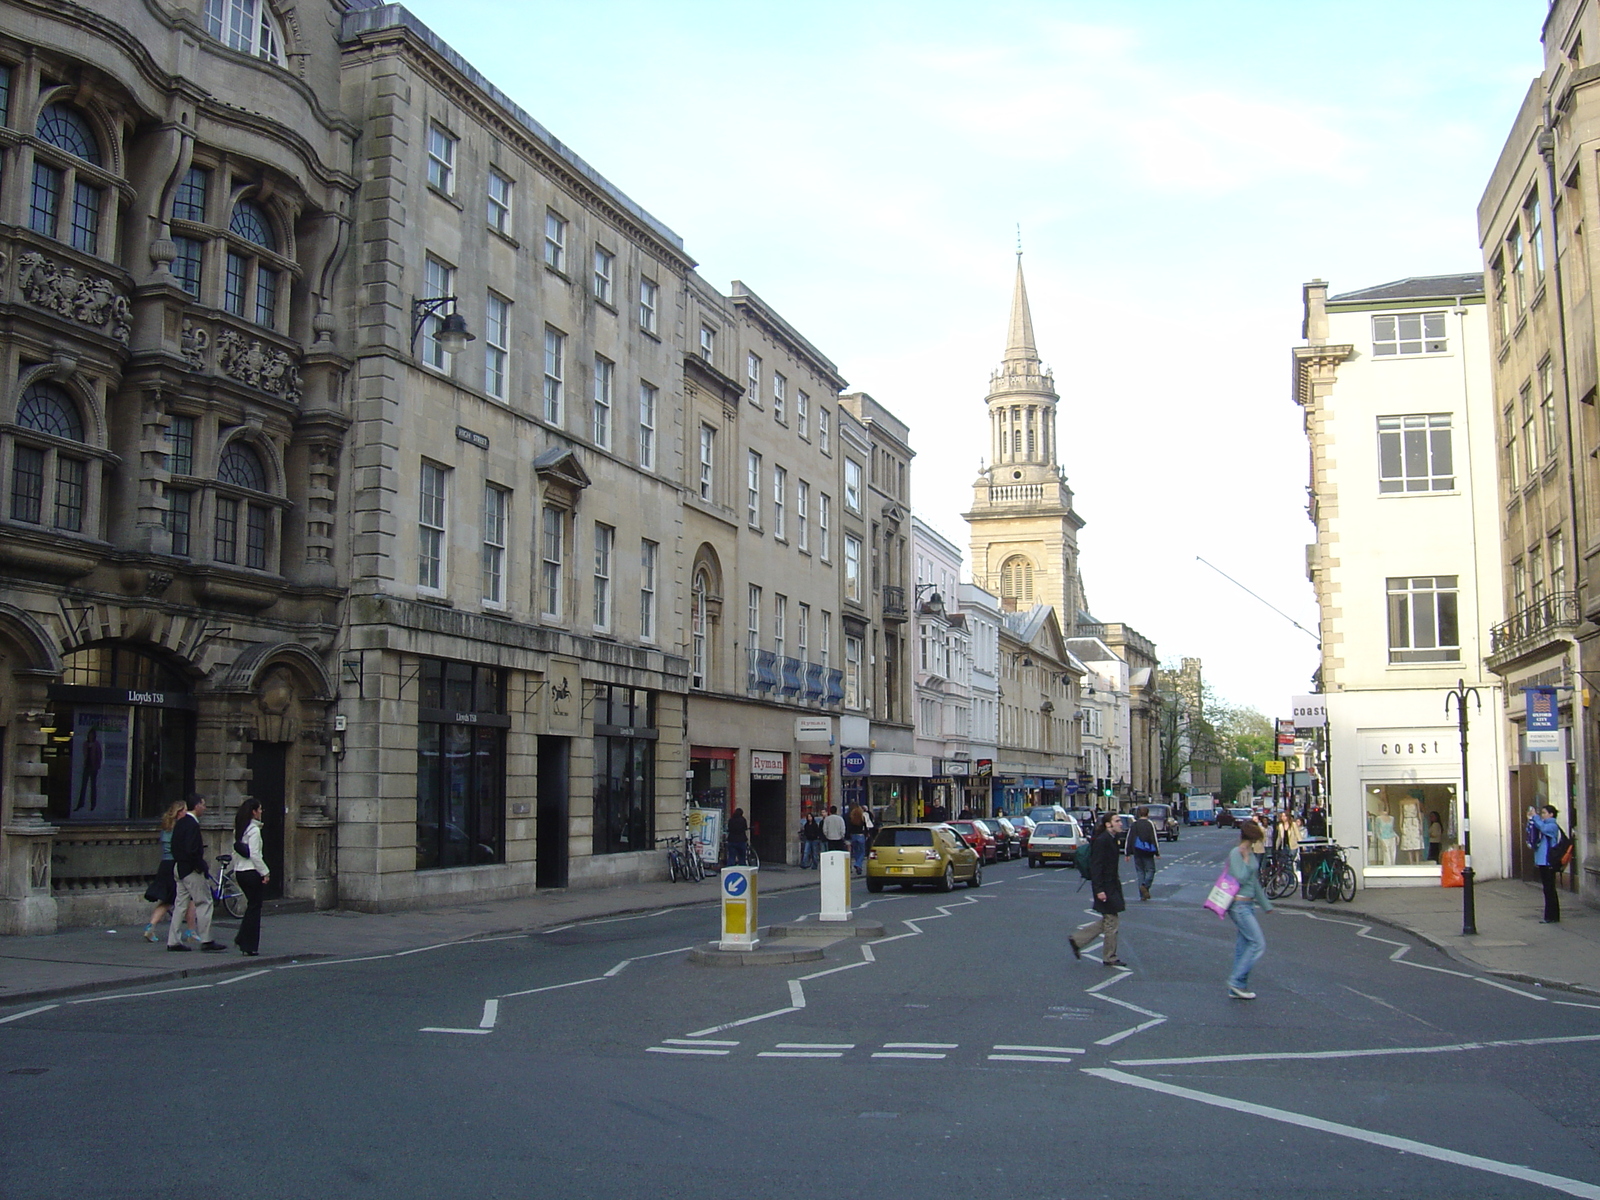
{"x": 1178, "y": 168}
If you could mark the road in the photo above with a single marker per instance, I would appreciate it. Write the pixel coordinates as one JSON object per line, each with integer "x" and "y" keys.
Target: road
{"x": 964, "y": 1054}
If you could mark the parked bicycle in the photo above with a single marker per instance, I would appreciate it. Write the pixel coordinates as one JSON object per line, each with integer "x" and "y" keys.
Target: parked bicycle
{"x": 225, "y": 889}
{"x": 677, "y": 861}
{"x": 1278, "y": 876}
{"x": 1329, "y": 877}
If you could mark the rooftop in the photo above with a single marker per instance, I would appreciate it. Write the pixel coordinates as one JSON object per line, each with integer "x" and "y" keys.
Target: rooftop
{"x": 1419, "y": 287}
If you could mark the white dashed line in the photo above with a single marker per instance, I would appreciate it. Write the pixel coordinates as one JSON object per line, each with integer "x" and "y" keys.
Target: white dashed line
{"x": 903, "y": 1054}
{"x": 1045, "y": 1049}
{"x": 921, "y": 1045}
{"x": 681, "y": 1050}
{"x": 32, "y": 1012}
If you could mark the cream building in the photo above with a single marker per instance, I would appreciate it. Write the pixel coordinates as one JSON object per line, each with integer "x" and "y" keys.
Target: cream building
{"x": 1394, "y": 383}
{"x": 942, "y": 673}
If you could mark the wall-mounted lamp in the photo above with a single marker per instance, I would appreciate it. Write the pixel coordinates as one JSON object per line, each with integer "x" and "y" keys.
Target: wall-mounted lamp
{"x": 452, "y": 336}
{"x": 935, "y": 604}
{"x": 1026, "y": 661}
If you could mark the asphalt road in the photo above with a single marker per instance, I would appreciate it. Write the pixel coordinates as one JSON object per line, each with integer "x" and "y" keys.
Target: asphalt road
{"x": 965, "y": 1054}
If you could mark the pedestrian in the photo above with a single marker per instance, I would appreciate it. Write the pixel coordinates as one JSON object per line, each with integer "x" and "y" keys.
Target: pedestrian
{"x": 810, "y": 842}
{"x": 1249, "y": 943}
{"x": 738, "y": 839}
{"x": 833, "y": 828}
{"x": 1543, "y": 833}
{"x": 1107, "y": 887}
{"x": 193, "y": 878}
{"x": 858, "y": 824}
{"x": 1435, "y": 837}
{"x": 250, "y": 869}
{"x": 1144, "y": 848}
{"x": 163, "y": 889}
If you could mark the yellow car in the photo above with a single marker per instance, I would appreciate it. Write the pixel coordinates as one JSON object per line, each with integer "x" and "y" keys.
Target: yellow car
{"x": 908, "y": 854}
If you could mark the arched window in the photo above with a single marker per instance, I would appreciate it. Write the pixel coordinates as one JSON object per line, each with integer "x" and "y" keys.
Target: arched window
{"x": 240, "y": 468}
{"x": 247, "y": 26}
{"x": 697, "y": 632}
{"x": 42, "y": 461}
{"x": 67, "y": 139}
{"x": 250, "y": 288}
{"x": 1016, "y": 580}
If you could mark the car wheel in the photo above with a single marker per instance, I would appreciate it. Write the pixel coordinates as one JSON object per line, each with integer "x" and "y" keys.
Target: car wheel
{"x": 1032, "y": 862}
{"x": 874, "y": 885}
{"x": 948, "y": 882}
{"x": 977, "y": 876}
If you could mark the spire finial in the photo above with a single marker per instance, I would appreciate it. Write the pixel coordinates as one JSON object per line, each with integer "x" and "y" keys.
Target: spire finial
{"x": 1019, "y": 240}
{"x": 1019, "y": 341}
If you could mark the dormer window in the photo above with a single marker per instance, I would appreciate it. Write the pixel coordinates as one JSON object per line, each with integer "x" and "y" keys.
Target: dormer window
{"x": 247, "y": 26}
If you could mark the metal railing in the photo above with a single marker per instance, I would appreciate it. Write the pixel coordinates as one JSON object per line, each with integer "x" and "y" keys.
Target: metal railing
{"x": 894, "y": 603}
{"x": 1558, "y": 610}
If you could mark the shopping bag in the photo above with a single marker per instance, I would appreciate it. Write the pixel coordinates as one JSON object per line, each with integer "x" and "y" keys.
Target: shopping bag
{"x": 1222, "y": 893}
{"x": 1451, "y": 865}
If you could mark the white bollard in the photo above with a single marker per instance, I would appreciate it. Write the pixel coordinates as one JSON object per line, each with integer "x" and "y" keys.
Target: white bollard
{"x": 835, "y": 886}
{"x": 740, "y": 887}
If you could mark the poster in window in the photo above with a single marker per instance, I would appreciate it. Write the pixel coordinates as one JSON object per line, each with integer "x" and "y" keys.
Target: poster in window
{"x": 99, "y": 764}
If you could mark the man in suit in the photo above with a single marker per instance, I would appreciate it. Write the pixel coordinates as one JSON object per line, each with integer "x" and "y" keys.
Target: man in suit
{"x": 194, "y": 879}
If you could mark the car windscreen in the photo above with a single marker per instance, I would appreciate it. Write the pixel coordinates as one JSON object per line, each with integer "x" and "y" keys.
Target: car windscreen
{"x": 903, "y": 837}
{"x": 1159, "y": 812}
{"x": 1050, "y": 829}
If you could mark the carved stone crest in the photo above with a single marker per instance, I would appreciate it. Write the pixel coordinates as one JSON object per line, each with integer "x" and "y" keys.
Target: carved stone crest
{"x": 88, "y": 300}
{"x": 195, "y": 343}
{"x": 261, "y": 366}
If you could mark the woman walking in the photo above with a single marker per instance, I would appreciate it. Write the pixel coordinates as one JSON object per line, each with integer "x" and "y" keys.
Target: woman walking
{"x": 250, "y": 869}
{"x": 1249, "y": 945}
{"x": 163, "y": 889}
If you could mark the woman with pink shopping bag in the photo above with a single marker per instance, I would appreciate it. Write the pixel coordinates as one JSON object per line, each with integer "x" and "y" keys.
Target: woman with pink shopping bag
{"x": 1236, "y": 893}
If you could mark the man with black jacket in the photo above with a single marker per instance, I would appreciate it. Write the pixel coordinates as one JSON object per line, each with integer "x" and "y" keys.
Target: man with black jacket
{"x": 1144, "y": 847}
{"x": 194, "y": 879}
{"x": 1107, "y": 885}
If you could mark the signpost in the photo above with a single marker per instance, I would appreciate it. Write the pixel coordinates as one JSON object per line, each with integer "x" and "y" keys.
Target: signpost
{"x": 739, "y": 919}
{"x": 1544, "y": 718}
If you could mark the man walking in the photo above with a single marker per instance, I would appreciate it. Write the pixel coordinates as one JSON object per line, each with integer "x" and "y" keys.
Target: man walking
{"x": 1107, "y": 885}
{"x": 1144, "y": 848}
{"x": 833, "y": 828}
{"x": 193, "y": 877}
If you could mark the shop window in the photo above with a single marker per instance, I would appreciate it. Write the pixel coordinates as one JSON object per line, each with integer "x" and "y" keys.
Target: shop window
{"x": 624, "y": 771}
{"x": 107, "y": 759}
{"x": 1410, "y": 824}
{"x": 461, "y": 778}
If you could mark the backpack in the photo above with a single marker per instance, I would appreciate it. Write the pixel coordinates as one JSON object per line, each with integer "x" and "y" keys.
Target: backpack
{"x": 1559, "y": 855}
{"x": 1081, "y": 859}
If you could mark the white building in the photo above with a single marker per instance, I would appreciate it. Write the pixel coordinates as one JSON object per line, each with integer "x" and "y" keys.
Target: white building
{"x": 942, "y": 671}
{"x": 981, "y": 610}
{"x": 1107, "y": 720}
{"x": 1399, "y": 413}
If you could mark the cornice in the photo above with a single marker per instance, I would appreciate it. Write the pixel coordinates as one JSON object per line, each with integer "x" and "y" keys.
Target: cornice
{"x": 1310, "y": 359}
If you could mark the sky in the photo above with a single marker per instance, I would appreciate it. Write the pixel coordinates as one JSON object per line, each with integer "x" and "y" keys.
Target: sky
{"x": 1177, "y": 169}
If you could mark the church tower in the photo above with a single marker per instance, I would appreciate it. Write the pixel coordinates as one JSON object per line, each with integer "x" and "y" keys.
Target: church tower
{"x": 1023, "y": 527}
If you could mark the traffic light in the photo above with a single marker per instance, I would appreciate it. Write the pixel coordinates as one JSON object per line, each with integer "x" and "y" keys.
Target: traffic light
{"x": 1105, "y": 788}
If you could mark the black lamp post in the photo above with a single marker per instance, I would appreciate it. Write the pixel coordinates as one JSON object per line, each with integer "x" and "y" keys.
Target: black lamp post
{"x": 1469, "y": 916}
{"x": 452, "y": 336}
{"x": 935, "y": 603}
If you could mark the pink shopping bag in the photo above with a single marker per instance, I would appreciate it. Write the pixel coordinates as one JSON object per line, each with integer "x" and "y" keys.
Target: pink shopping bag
{"x": 1222, "y": 893}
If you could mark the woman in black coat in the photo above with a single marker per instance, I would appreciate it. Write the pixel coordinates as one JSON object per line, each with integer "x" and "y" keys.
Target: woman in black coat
{"x": 1104, "y": 858}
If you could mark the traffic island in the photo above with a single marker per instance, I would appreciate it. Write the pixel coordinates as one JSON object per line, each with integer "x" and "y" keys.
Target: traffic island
{"x": 713, "y": 955}
{"x": 829, "y": 931}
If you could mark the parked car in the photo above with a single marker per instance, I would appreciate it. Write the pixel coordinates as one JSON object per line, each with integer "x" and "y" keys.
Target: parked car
{"x": 1054, "y": 842}
{"x": 1048, "y": 812}
{"x": 1085, "y": 817}
{"x": 979, "y": 838}
{"x": 1021, "y": 828}
{"x": 910, "y": 854}
{"x": 1005, "y": 838}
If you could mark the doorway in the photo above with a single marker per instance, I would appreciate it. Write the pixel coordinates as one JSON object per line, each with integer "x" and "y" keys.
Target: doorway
{"x": 768, "y": 819}
{"x": 550, "y": 848}
{"x": 268, "y": 763}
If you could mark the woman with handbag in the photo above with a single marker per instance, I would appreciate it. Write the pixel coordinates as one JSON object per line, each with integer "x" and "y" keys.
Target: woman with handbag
{"x": 1249, "y": 945}
{"x": 250, "y": 869}
{"x": 163, "y": 889}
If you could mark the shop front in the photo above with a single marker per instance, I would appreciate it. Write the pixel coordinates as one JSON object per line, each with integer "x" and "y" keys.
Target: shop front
{"x": 769, "y": 796}
{"x": 1410, "y": 810}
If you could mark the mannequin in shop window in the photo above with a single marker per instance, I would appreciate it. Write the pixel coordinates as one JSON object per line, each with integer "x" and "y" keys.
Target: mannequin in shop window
{"x": 1383, "y": 836}
{"x": 1410, "y": 830}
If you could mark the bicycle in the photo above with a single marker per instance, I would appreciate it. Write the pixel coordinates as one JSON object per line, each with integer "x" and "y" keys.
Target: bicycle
{"x": 1330, "y": 877}
{"x": 225, "y": 889}
{"x": 677, "y": 863}
{"x": 1278, "y": 876}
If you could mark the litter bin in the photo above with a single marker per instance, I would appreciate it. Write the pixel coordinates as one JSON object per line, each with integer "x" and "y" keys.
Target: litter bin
{"x": 1313, "y": 853}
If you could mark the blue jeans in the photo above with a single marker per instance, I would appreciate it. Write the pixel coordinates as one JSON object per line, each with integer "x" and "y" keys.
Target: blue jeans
{"x": 738, "y": 854}
{"x": 1249, "y": 946}
{"x": 808, "y": 854}
{"x": 1144, "y": 866}
{"x": 858, "y": 852}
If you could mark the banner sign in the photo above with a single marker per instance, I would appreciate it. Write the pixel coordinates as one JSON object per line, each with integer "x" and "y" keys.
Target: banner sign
{"x": 1544, "y": 718}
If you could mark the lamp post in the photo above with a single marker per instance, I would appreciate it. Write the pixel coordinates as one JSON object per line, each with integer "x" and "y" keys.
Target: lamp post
{"x": 1469, "y": 916}
{"x": 935, "y": 601}
{"x": 453, "y": 335}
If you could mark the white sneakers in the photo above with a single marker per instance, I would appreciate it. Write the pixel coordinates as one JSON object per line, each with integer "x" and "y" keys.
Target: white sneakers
{"x": 1240, "y": 993}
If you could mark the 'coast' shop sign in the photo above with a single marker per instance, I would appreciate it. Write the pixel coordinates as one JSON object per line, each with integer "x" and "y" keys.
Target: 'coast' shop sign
{"x": 1411, "y": 748}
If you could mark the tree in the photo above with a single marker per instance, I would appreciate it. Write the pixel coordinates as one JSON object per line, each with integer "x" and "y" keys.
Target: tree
{"x": 1207, "y": 742}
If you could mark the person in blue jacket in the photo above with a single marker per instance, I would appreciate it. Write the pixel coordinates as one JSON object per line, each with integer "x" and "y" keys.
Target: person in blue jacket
{"x": 1544, "y": 833}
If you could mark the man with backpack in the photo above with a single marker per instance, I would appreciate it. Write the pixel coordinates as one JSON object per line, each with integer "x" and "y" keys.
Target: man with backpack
{"x": 1551, "y": 851}
{"x": 1107, "y": 887}
{"x": 1144, "y": 848}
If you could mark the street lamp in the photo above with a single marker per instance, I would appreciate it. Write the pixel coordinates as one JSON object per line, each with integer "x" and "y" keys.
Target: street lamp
{"x": 1469, "y": 916}
{"x": 452, "y": 336}
{"x": 935, "y": 601}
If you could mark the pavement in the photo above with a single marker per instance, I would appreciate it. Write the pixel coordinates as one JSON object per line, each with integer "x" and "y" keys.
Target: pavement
{"x": 1510, "y": 941}
{"x": 77, "y": 961}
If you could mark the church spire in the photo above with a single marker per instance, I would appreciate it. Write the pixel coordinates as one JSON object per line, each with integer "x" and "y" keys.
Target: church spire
{"x": 1019, "y": 342}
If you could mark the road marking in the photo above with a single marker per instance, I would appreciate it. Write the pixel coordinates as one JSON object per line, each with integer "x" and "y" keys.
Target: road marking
{"x": 1117, "y": 1037}
{"x": 237, "y": 978}
{"x": 1105, "y": 983}
{"x": 902, "y": 1054}
{"x": 334, "y": 962}
{"x": 1379, "y": 1052}
{"x": 491, "y": 1010}
{"x": 921, "y": 1045}
{"x": 29, "y": 1013}
{"x": 816, "y": 1045}
{"x": 777, "y": 1012}
{"x": 800, "y": 1054}
{"x": 797, "y": 994}
{"x": 680, "y": 1050}
{"x": 193, "y": 987}
{"x": 1028, "y": 1058}
{"x": 1046, "y": 1049}
{"x": 687, "y": 1042}
{"x": 1506, "y": 987}
{"x": 1573, "y": 1004}
{"x": 1143, "y": 1012}
{"x": 866, "y": 953}
{"x": 553, "y": 987}
{"x": 442, "y": 1029}
{"x": 1559, "y": 1183}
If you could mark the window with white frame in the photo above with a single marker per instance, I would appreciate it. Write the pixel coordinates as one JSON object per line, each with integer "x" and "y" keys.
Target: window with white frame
{"x": 604, "y": 374}
{"x": 853, "y": 654}
{"x": 752, "y": 381}
{"x": 441, "y": 159}
{"x": 496, "y": 345}
{"x": 802, "y": 414}
{"x": 605, "y": 541}
{"x": 1508, "y": 424}
{"x": 1547, "y": 406}
{"x": 438, "y": 281}
{"x": 247, "y": 26}
{"x": 802, "y": 512}
{"x": 824, "y": 548}
{"x": 1409, "y": 333}
{"x": 780, "y": 623}
{"x": 1530, "y": 433}
{"x": 498, "y": 211}
{"x": 605, "y": 266}
{"x": 780, "y": 398}
{"x": 555, "y": 353}
{"x": 852, "y": 567}
{"x": 431, "y": 527}
{"x": 852, "y": 485}
{"x": 822, "y": 431}
{"x": 1519, "y": 586}
{"x": 1415, "y": 454}
{"x": 649, "y": 555}
{"x": 555, "y": 241}
{"x": 753, "y": 489}
{"x": 649, "y": 301}
{"x": 708, "y": 452}
{"x": 802, "y": 633}
{"x": 708, "y": 342}
{"x": 698, "y": 622}
{"x": 780, "y": 488}
{"x": 552, "y": 559}
{"x": 1558, "y": 563}
{"x": 496, "y": 505}
{"x": 752, "y": 617}
{"x": 1518, "y": 262}
{"x": 648, "y": 395}
{"x": 1423, "y": 619}
{"x": 1534, "y": 220}
{"x": 825, "y": 638}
